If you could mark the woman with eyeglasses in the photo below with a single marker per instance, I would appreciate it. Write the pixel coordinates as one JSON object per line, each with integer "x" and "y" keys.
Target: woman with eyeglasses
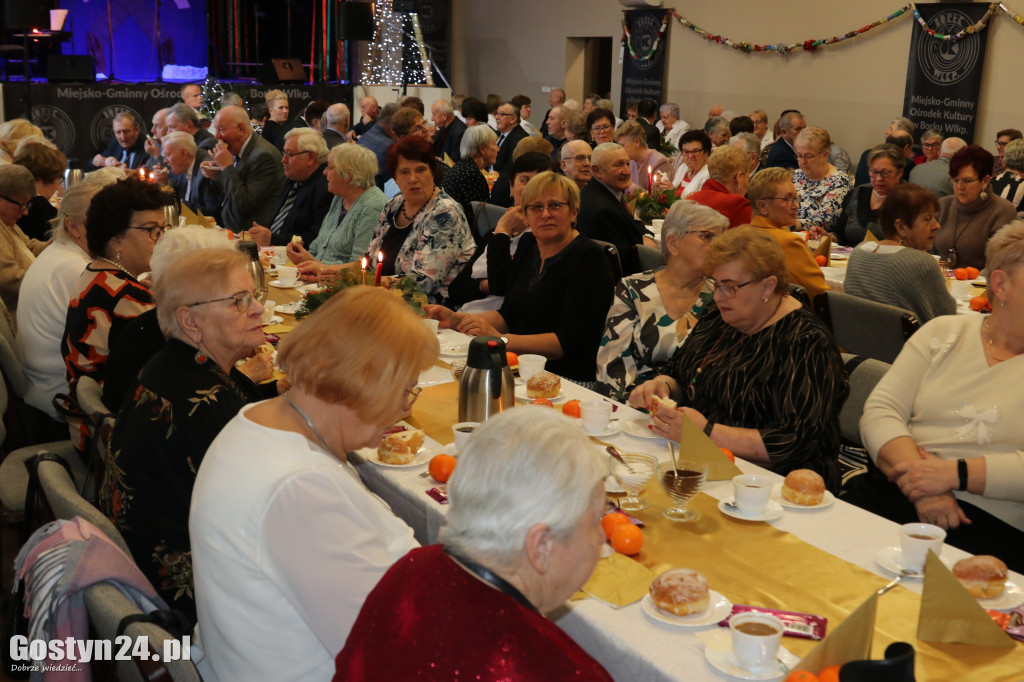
{"x": 775, "y": 201}
{"x": 17, "y": 251}
{"x": 559, "y": 288}
{"x": 885, "y": 170}
{"x": 759, "y": 373}
{"x": 691, "y": 164}
{"x": 123, "y": 224}
{"x": 653, "y": 311}
{"x": 286, "y": 540}
{"x": 178, "y": 404}
{"x": 601, "y": 124}
{"x": 973, "y": 213}
{"x": 822, "y": 188}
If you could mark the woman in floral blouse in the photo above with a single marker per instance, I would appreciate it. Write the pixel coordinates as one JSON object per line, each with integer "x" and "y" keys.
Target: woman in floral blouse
{"x": 181, "y": 400}
{"x": 654, "y": 311}
{"x": 822, "y": 188}
{"x": 422, "y": 232}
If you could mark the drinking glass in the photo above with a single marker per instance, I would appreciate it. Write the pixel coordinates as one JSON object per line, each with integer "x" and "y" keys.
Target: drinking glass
{"x": 634, "y": 476}
{"x": 681, "y": 485}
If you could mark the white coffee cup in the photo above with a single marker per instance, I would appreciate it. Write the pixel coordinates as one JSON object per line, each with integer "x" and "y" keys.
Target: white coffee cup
{"x": 916, "y": 539}
{"x": 280, "y": 256}
{"x": 755, "y": 638}
{"x": 435, "y": 325}
{"x": 268, "y": 311}
{"x": 287, "y": 275}
{"x": 656, "y": 226}
{"x": 595, "y": 415}
{"x": 960, "y": 289}
{"x": 462, "y": 431}
{"x": 530, "y": 365}
{"x": 751, "y": 492}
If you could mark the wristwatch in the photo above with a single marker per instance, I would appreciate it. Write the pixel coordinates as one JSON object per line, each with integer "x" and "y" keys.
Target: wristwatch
{"x": 504, "y": 340}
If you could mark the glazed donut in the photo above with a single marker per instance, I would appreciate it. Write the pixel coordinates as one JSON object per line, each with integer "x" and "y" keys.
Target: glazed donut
{"x": 983, "y": 576}
{"x": 804, "y": 486}
{"x": 680, "y": 591}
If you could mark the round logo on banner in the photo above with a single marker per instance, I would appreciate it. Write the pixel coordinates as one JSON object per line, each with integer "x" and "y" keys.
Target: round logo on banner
{"x": 945, "y": 62}
{"x": 102, "y": 128}
{"x": 643, "y": 33}
{"x": 56, "y": 126}
{"x": 432, "y": 14}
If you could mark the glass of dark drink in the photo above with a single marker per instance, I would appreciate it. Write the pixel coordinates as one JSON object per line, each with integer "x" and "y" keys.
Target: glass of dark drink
{"x": 681, "y": 484}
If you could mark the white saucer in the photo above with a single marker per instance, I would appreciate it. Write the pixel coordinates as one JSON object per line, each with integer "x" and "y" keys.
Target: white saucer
{"x": 1011, "y": 597}
{"x": 276, "y": 319}
{"x": 891, "y": 559}
{"x": 828, "y": 500}
{"x": 280, "y": 285}
{"x": 725, "y": 662}
{"x": 423, "y": 456}
{"x": 638, "y": 429}
{"x": 772, "y": 511}
{"x": 613, "y": 428}
{"x": 718, "y": 608}
{"x": 287, "y": 308}
{"x": 454, "y": 350}
{"x": 522, "y": 395}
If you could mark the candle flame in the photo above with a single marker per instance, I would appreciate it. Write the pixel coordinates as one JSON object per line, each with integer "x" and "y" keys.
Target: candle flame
{"x": 380, "y": 256}
{"x": 364, "y": 262}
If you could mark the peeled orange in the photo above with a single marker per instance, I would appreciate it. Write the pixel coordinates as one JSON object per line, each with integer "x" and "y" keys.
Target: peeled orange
{"x": 571, "y": 408}
{"x": 542, "y": 401}
{"x": 611, "y": 521}
{"x": 441, "y": 467}
{"x": 627, "y": 539}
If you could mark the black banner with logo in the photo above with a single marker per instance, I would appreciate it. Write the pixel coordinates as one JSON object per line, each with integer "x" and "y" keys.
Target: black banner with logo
{"x": 944, "y": 76}
{"x": 79, "y": 118}
{"x": 643, "y": 63}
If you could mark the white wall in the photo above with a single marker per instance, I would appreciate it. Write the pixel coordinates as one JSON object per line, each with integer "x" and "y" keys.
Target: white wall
{"x": 853, "y": 89}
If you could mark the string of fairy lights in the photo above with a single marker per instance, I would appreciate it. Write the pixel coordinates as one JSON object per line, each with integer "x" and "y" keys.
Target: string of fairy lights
{"x": 390, "y": 60}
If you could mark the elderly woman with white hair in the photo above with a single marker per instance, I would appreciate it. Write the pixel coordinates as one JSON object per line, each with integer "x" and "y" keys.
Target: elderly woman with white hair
{"x": 523, "y": 534}
{"x": 355, "y": 211}
{"x": 180, "y": 401}
{"x": 1010, "y": 183}
{"x": 465, "y": 182}
{"x": 654, "y": 311}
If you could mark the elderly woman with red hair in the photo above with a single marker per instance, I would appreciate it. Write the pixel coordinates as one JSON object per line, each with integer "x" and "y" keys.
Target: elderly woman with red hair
{"x": 422, "y": 232}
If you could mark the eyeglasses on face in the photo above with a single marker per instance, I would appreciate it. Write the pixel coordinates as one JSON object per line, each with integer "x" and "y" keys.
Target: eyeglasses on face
{"x": 503, "y": 114}
{"x": 789, "y": 199}
{"x": 881, "y": 173}
{"x": 579, "y": 158}
{"x": 413, "y": 393}
{"x": 806, "y": 157}
{"x": 703, "y": 235}
{"x": 727, "y": 289}
{"x": 601, "y": 129}
{"x": 23, "y": 207}
{"x": 935, "y": 145}
{"x": 154, "y": 230}
{"x": 963, "y": 181}
{"x": 289, "y": 154}
{"x": 692, "y": 152}
{"x": 1002, "y": 144}
{"x": 552, "y": 207}
{"x": 242, "y": 301}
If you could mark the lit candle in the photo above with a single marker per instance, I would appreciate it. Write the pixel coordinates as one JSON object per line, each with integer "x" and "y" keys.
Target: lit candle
{"x": 380, "y": 267}
{"x": 364, "y": 270}
{"x": 650, "y": 180}
{"x": 142, "y": 174}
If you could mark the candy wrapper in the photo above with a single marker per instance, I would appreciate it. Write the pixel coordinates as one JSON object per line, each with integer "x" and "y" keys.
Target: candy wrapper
{"x": 802, "y": 625}
{"x": 1012, "y": 622}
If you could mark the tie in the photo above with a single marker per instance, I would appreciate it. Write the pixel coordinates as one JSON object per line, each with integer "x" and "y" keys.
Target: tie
{"x": 501, "y": 138}
{"x": 124, "y": 156}
{"x": 236, "y": 162}
{"x": 625, "y": 206}
{"x": 286, "y": 207}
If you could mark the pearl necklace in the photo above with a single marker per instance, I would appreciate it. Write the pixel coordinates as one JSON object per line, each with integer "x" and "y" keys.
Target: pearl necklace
{"x": 118, "y": 266}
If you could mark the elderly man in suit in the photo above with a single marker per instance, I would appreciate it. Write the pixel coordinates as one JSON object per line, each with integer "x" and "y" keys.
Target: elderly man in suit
{"x": 305, "y": 200}
{"x": 336, "y": 122}
{"x": 183, "y": 160}
{"x": 449, "y": 130}
{"x": 126, "y": 148}
{"x": 603, "y": 214}
{"x": 182, "y": 117}
{"x": 247, "y": 168}
{"x": 783, "y": 154}
{"x": 509, "y": 133}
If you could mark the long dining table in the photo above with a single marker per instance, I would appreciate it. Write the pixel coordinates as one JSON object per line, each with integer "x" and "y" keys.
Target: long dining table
{"x": 820, "y": 561}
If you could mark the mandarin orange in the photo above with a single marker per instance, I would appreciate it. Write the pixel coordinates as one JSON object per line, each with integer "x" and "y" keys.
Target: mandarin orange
{"x": 441, "y": 467}
{"x": 542, "y": 401}
{"x": 960, "y": 273}
{"x": 801, "y": 676}
{"x": 829, "y": 674}
{"x": 627, "y": 539}
{"x": 821, "y": 260}
{"x": 571, "y": 408}
{"x": 972, "y": 273}
{"x": 513, "y": 359}
{"x": 611, "y": 521}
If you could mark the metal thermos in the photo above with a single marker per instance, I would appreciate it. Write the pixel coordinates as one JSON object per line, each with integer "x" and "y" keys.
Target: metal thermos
{"x": 486, "y": 386}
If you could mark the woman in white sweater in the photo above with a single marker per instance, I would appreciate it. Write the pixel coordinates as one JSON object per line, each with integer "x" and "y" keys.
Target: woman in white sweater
{"x": 944, "y": 423}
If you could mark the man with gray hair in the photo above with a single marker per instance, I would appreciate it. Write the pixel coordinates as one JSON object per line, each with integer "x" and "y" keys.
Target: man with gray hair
{"x": 450, "y": 129}
{"x": 304, "y": 200}
{"x": 157, "y": 132}
{"x": 555, "y": 99}
{"x": 895, "y": 125}
{"x": 181, "y": 117}
{"x": 575, "y": 161}
{"x": 126, "y": 148}
{"x": 935, "y": 174}
{"x": 554, "y": 129}
{"x": 378, "y": 139}
{"x": 718, "y": 130}
{"x": 603, "y": 213}
{"x": 670, "y": 125}
{"x": 749, "y": 145}
{"x": 783, "y": 154}
{"x": 183, "y": 160}
{"x": 336, "y": 124}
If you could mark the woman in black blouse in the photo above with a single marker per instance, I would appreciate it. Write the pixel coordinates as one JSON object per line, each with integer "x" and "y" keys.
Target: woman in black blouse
{"x": 181, "y": 400}
{"x": 758, "y": 373}
{"x": 465, "y": 182}
{"x": 559, "y": 290}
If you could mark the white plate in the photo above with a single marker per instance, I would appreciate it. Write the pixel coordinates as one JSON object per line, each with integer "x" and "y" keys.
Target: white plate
{"x": 638, "y": 428}
{"x": 277, "y": 283}
{"x": 454, "y": 349}
{"x": 522, "y": 395}
{"x": 287, "y": 308}
{"x": 718, "y": 608}
{"x": 891, "y": 559}
{"x": 725, "y": 662}
{"x": 613, "y": 428}
{"x": 772, "y": 511}
{"x": 828, "y": 501}
{"x": 423, "y": 456}
{"x": 1011, "y": 597}
{"x": 276, "y": 319}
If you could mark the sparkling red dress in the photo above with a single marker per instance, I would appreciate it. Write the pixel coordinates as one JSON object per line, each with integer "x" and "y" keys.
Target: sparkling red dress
{"x": 429, "y": 619}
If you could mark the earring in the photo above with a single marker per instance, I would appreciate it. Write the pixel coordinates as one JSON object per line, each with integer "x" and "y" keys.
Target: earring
{"x": 901, "y": 241}
{"x": 766, "y": 299}
{"x": 984, "y": 194}
{"x": 117, "y": 256}
{"x": 200, "y": 357}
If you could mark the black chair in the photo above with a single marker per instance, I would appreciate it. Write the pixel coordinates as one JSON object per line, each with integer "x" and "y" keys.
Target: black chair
{"x": 800, "y": 294}
{"x": 864, "y": 327}
{"x": 649, "y": 258}
{"x": 897, "y": 666}
{"x": 612, "y": 254}
{"x": 485, "y": 217}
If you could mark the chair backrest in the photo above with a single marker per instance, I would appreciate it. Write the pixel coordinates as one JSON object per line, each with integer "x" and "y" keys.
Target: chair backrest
{"x": 864, "y": 327}
{"x": 800, "y": 294}
{"x": 612, "y": 254}
{"x": 649, "y": 257}
{"x": 486, "y": 216}
{"x": 864, "y": 374}
{"x": 13, "y": 370}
